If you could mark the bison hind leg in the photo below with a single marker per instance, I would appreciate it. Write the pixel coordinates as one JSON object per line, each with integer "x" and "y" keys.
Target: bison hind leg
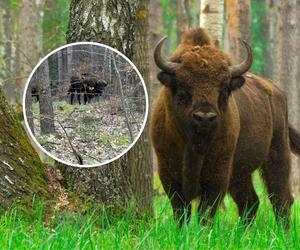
{"x": 276, "y": 174}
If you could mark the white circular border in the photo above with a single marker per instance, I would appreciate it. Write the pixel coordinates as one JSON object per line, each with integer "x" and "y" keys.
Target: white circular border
{"x": 105, "y": 162}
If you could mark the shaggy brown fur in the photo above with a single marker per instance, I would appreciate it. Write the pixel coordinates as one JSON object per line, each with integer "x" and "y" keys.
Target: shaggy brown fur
{"x": 250, "y": 132}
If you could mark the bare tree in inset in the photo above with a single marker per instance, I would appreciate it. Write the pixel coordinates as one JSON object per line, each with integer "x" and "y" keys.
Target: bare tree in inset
{"x": 28, "y": 105}
{"x": 45, "y": 99}
{"x": 124, "y": 107}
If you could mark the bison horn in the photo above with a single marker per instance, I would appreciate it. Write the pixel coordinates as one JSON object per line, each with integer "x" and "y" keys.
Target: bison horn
{"x": 168, "y": 67}
{"x": 238, "y": 70}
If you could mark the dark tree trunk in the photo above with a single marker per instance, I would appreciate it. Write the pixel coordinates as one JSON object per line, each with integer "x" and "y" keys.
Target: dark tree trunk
{"x": 22, "y": 176}
{"x": 140, "y": 156}
{"x": 116, "y": 23}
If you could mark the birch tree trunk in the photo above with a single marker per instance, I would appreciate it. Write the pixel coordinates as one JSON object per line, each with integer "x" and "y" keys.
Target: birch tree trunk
{"x": 120, "y": 24}
{"x": 287, "y": 69}
{"x": 27, "y": 43}
{"x": 212, "y": 19}
{"x": 29, "y": 114}
{"x": 140, "y": 156}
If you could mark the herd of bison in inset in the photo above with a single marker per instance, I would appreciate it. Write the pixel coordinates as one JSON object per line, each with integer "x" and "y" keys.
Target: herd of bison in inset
{"x": 96, "y": 104}
{"x": 84, "y": 85}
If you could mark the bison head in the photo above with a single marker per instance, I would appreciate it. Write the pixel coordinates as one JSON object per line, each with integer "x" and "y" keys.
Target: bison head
{"x": 200, "y": 79}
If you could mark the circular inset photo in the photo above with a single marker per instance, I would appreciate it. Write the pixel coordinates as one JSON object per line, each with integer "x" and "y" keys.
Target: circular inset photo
{"x": 85, "y": 104}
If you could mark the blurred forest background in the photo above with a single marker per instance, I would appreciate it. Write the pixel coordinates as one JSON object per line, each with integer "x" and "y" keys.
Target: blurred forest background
{"x": 31, "y": 29}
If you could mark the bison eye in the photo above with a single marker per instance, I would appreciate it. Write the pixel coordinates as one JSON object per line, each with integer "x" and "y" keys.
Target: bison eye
{"x": 184, "y": 98}
{"x": 224, "y": 90}
{"x": 223, "y": 98}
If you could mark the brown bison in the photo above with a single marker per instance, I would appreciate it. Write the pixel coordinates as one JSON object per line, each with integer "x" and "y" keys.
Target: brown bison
{"x": 214, "y": 124}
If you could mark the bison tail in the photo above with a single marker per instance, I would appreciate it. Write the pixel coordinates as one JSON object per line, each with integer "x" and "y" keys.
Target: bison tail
{"x": 294, "y": 140}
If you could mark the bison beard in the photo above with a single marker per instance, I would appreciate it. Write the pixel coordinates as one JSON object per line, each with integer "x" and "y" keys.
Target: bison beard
{"x": 213, "y": 125}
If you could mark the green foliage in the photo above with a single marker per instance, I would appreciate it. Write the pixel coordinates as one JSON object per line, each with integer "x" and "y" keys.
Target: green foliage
{"x": 102, "y": 230}
{"x": 119, "y": 140}
{"x": 170, "y": 23}
{"x": 55, "y": 24}
{"x": 169, "y": 20}
{"x": 258, "y": 12}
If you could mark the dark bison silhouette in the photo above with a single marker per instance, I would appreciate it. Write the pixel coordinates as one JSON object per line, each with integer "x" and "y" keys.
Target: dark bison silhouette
{"x": 214, "y": 124}
{"x": 87, "y": 85}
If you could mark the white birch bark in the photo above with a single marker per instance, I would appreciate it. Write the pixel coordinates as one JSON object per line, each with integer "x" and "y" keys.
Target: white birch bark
{"x": 212, "y": 19}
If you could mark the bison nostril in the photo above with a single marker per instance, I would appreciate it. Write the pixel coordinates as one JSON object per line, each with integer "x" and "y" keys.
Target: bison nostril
{"x": 204, "y": 117}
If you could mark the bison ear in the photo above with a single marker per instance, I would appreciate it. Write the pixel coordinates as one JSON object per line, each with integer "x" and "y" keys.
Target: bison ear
{"x": 167, "y": 79}
{"x": 236, "y": 83}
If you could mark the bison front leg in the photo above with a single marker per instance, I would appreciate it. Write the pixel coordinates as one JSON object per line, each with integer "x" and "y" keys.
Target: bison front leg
{"x": 211, "y": 197}
{"x": 181, "y": 208}
{"x": 214, "y": 183}
{"x": 192, "y": 163}
{"x": 71, "y": 98}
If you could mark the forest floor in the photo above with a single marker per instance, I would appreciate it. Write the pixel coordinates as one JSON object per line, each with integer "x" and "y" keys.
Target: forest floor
{"x": 95, "y": 231}
{"x": 98, "y": 131}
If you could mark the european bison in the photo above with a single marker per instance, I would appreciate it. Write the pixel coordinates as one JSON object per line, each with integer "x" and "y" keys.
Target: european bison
{"x": 75, "y": 89}
{"x": 93, "y": 87}
{"x": 214, "y": 124}
{"x": 35, "y": 91}
{"x": 86, "y": 84}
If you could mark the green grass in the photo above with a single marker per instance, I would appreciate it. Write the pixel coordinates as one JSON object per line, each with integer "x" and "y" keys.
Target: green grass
{"x": 95, "y": 231}
{"x": 120, "y": 140}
